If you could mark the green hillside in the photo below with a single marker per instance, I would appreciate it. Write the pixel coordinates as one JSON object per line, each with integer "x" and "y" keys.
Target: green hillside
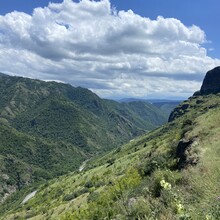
{"x": 167, "y": 107}
{"x": 49, "y": 128}
{"x": 171, "y": 173}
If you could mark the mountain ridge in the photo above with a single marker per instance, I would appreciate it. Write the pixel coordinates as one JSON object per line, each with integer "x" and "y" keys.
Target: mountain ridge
{"x": 53, "y": 127}
{"x": 165, "y": 105}
{"x": 171, "y": 172}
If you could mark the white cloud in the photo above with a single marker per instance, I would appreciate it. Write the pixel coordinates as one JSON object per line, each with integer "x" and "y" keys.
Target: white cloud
{"x": 114, "y": 53}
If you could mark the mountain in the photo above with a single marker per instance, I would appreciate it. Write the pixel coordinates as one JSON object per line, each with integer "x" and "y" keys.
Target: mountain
{"x": 165, "y": 105}
{"x": 171, "y": 172}
{"x": 49, "y": 128}
{"x": 148, "y": 100}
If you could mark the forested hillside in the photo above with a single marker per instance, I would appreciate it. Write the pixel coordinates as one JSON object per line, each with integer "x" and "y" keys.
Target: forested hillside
{"x": 49, "y": 128}
{"x": 172, "y": 172}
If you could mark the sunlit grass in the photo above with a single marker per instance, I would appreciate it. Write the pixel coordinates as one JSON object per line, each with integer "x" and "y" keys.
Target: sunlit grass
{"x": 193, "y": 191}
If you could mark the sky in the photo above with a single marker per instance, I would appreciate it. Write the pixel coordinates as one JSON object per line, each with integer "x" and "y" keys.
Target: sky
{"x": 116, "y": 48}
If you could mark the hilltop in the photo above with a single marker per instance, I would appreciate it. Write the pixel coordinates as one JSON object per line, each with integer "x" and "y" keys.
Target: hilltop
{"x": 172, "y": 172}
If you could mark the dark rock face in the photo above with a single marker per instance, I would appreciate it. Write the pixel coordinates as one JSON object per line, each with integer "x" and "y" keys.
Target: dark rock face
{"x": 178, "y": 111}
{"x": 186, "y": 154}
{"x": 211, "y": 83}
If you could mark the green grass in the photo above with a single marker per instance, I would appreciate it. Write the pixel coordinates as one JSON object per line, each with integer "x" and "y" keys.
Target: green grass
{"x": 48, "y": 129}
{"x": 126, "y": 183}
{"x": 143, "y": 179}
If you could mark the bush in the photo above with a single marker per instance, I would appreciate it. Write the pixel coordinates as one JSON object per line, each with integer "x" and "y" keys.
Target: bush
{"x": 111, "y": 161}
{"x": 70, "y": 196}
{"x": 215, "y": 210}
{"x": 140, "y": 210}
{"x": 166, "y": 175}
{"x": 93, "y": 196}
{"x": 89, "y": 184}
{"x": 155, "y": 162}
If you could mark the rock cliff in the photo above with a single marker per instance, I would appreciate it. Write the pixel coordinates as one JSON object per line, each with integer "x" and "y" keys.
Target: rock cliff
{"x": 210, "y": 85}
{"x": 211, "y": 82}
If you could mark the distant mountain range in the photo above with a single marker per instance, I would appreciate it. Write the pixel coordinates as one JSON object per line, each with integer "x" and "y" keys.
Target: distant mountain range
{"x": 149, "y": 100}
{"x": 49, "y": 128}
{"x": 165, "y": 105}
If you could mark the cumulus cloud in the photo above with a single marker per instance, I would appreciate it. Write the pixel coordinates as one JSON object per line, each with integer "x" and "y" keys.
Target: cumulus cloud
{"x": 114, "y": 53}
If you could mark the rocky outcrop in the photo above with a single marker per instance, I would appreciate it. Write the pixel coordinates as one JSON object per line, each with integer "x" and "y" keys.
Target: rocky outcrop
{"x": 179, "y": 111}
{"x": 211, "y": 83}
{"x": 186, "y": 153}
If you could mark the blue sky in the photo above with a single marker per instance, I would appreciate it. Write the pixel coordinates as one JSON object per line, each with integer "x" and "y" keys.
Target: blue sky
{"x": 202, "y": 13}
{"x": 117, "y": 48}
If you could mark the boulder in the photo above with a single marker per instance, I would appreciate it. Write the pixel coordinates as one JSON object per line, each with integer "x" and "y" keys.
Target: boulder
{"x": 186, "y": 153}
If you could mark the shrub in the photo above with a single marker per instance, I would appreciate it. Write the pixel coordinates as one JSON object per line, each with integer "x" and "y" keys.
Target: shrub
{"x": 140, "y": 210}
{"x": 215, "y": 209}
{"x": 166, "y": 175}
{"x": 89, "y": 184}
{"x": 70, "y": 196}
{"x": 111, "y": 161}
{"x": 93, "y": 196}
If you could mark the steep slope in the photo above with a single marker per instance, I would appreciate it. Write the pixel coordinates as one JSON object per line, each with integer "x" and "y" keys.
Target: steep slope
{"x": 26, "y": 159}
{"x": 49, "y": 128}
{"x": 140, "y": 112}
{"x": 166, "y": 106}
{"x": 36, "y": 107}
{"x": 210, "y": 85}
{"x": 172, "y": 172}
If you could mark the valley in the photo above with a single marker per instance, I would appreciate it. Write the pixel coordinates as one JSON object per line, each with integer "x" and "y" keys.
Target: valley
{"x": 48, "y": 129}
{"x": 171, "y": 172}
{"x": 109, "y": 110}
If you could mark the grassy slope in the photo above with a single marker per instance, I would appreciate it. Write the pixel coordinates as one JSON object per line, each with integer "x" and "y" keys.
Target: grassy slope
{"x": 49, "y": 128}
{"x": 143, "y": 179}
